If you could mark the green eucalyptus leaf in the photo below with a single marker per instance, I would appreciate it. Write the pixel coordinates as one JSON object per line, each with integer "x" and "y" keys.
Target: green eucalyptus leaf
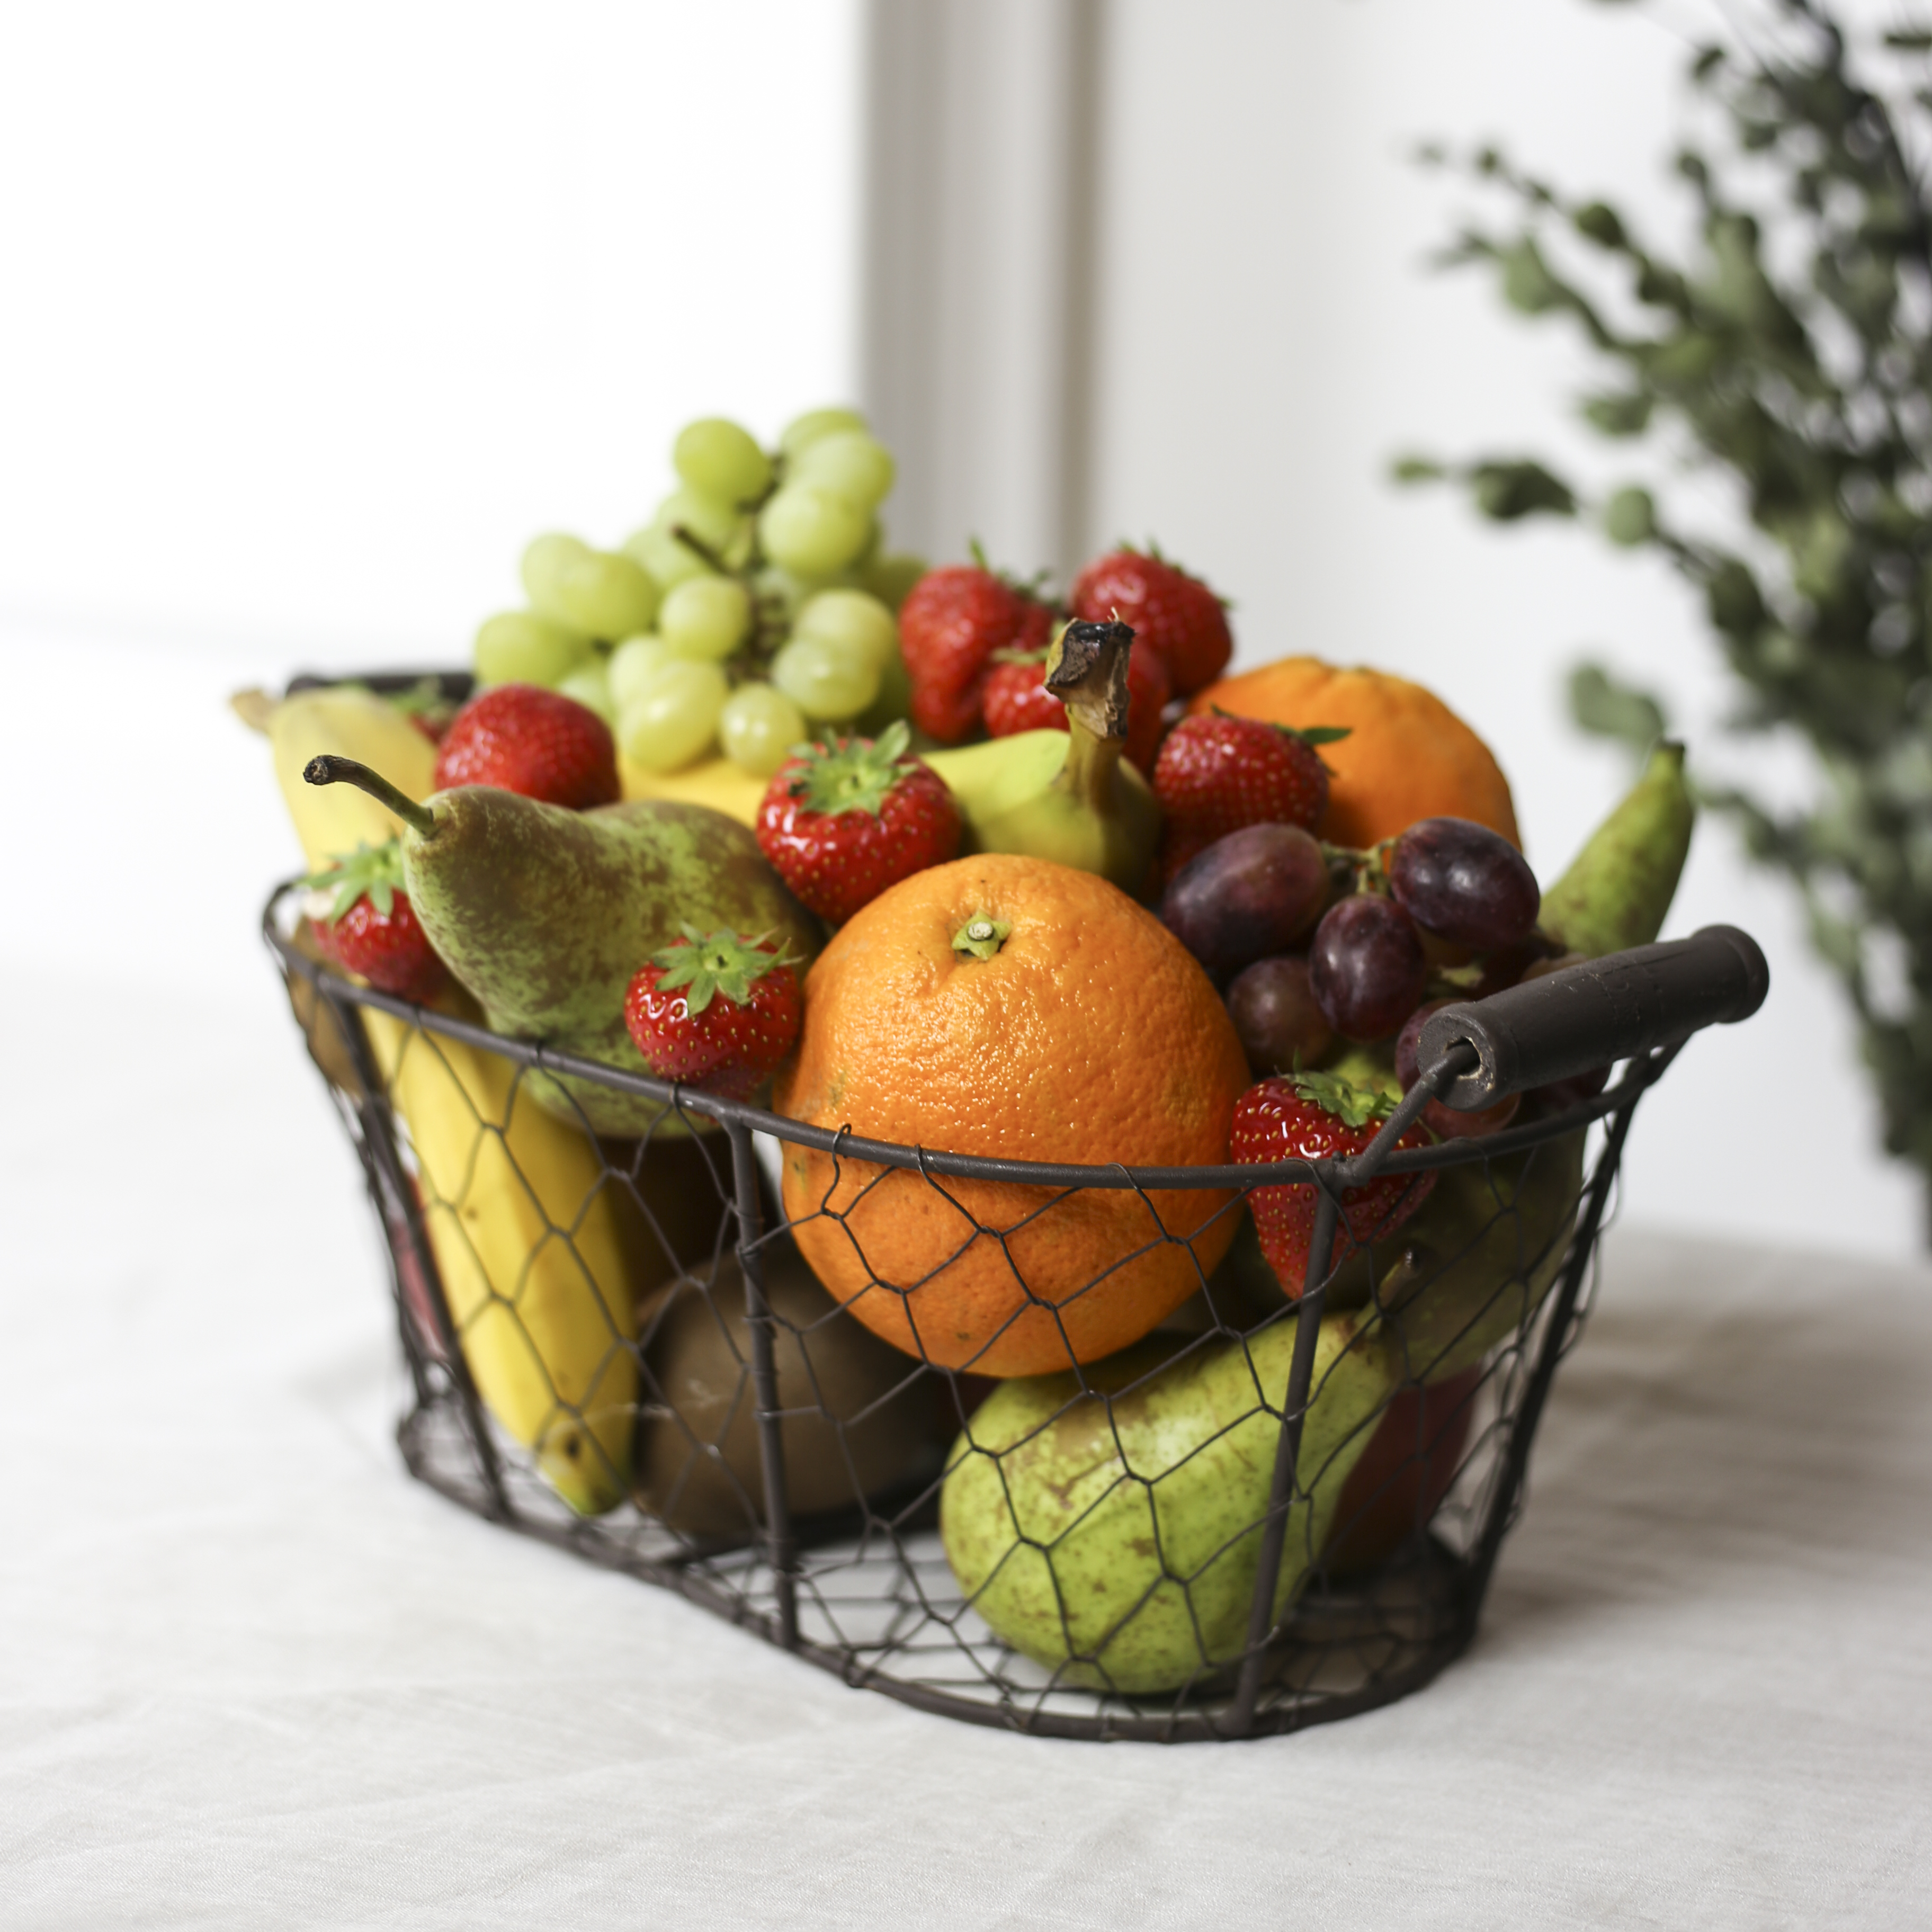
{"x": 1607, "y": 709}
{"x": 1602, "y": 224}
{"x": 1614, "y": 414}
{"x": 1507, "y": 491}
{"x": 1528, "y": 284}
{"x": 1629, "y": 516}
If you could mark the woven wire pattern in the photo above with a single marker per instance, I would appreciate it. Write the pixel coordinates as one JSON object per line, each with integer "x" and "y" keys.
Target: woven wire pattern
{"x": 768, "y": 1455}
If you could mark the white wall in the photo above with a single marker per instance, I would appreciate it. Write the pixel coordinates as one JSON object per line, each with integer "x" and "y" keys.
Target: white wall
{"x": 1269, "y": 338}
{"x": 314, "y": 315}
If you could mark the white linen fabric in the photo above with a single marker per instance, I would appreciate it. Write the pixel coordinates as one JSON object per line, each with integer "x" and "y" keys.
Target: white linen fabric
{"x": 252, "y": 1675}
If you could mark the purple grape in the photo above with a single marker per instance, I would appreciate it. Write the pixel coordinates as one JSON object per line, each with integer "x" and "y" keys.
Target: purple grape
{"x": 1274, "y": 1009}
{"x": 1367, "y": 968}
{"x": 1248, "y": 896}
{"x": 1464, "y": 883}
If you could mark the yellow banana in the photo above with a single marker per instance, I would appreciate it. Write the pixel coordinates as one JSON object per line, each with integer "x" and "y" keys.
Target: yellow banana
{"x": 530, "y": 1246}
{"x": 333, "y": 819}
{"x": 717, "y": 782}
{"x": 532, "y": 1255}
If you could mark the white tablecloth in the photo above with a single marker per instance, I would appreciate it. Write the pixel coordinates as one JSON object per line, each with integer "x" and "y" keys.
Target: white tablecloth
{"x": 251, "y": 1676}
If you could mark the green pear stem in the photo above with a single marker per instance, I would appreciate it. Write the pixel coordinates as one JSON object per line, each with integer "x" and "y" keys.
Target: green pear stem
{"x": 330, "y": 770}
{"x": 1087, "y": 670}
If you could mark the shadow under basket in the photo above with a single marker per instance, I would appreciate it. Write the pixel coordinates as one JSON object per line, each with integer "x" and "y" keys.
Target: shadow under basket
{"x": 1312, "y": 1538}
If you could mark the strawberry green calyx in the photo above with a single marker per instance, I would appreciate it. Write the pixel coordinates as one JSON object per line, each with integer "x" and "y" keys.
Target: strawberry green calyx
{"x": 1313, "y": 735}
{"x": 706, "y": 964}
{"x": 1033, "y": 587}
{"x": 855, "y": 774}
{"x": 1353, "y": 1106}
{"x": 374, "y": 870}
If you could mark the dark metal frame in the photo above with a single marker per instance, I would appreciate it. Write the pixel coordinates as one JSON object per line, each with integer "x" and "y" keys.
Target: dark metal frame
{"x": 1454, "y": 1584}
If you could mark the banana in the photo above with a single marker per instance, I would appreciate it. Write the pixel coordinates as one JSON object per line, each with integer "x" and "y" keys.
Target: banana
{"x": 717, "y": 782}
{"x": 528, "y": 1238}
{"x": 529, "y": 1243}
{"x": 351, "y": 724}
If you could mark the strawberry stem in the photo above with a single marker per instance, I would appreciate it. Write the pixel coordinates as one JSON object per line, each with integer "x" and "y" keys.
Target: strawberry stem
{"x": 329, "y": 770}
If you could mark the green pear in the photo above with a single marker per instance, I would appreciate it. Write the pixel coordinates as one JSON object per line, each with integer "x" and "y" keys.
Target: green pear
{"x": 1474, "y": 1262}
{"x": 1066, "y": 795}
{"x": 546, "y": 914}
{"x": 1114, "y": 1535}
{"x": 1619, "y": 887}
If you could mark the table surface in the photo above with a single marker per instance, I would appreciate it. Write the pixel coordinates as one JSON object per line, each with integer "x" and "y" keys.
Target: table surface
{"x": 253, "y": 1676}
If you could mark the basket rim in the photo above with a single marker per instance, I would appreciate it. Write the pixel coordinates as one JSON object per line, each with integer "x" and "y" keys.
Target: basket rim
{"x": 1639, "y": 1075}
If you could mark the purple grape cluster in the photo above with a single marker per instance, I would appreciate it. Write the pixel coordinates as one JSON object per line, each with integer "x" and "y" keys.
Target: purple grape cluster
{"x": 1311, "y": 949}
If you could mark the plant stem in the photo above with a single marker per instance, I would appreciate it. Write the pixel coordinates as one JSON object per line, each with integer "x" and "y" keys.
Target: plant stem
{"x": 329, "y": 770}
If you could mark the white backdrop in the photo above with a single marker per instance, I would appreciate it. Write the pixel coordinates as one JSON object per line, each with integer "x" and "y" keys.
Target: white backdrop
{"x": 315, "y": 315}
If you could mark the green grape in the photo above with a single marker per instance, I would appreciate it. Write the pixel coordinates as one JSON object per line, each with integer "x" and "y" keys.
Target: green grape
{"x": 589, "y": 684}
{"x": 668, "y": 562}
{"x": 801, "y": 432}
{"x": 894, "y": 700}
{"x": 758, "y": 727}
{"x": 890, "y": 579}
{"x": 705, "y": 617}
{"x": 827, "y": 682}
{"x": 854, "y": 618}
{"x": 850, "y": 463}
{"x": 777, "y": 589}
{"x": 810, "y": 531}
{"x": 519, "y": 647}
{"x": 717, "y": 458}
{"x": 634, "y": 663}
{"x": 674, "y": 719}
{"x": 716, "y": 523}
{"x": 603, "y": 593}
{"x": 612, "y": 594}
{"x": 545, "y": 561}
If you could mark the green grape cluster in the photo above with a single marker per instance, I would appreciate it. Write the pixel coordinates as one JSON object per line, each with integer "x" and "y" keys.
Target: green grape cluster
{"x": 758, "y": 604}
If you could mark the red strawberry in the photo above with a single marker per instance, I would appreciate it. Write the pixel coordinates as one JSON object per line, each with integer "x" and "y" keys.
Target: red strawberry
{"x": 1177, "y": 614}
{"x": 370, "y": 927}
{"x": 843, "y": 822}
{"x": 525, "y": 738}
{"x": 1317, "y": 1117}
{"x": 1217, "y": 775}
{"x": 1017, "y": 700}
{"x": 950, "y": 624}
{"x": 720, "y": 1011}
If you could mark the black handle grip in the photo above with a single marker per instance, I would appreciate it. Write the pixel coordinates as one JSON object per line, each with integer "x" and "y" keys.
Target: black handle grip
{"x": 1587, "y": 1015}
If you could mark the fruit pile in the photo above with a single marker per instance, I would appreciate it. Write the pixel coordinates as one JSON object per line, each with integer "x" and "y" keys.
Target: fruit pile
{"x": 1066, "y": 893}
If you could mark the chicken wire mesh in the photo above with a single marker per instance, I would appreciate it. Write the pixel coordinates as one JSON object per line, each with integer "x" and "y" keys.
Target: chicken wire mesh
{"x": 1271, "y": 1513}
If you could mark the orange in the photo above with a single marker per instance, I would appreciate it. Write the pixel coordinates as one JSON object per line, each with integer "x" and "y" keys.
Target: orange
{"x": 1407, "y": 755}
{"x": 1089, "y": 1035}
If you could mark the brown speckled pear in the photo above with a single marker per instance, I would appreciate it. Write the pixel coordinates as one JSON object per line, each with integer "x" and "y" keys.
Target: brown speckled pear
{"x": 545, "y": 914}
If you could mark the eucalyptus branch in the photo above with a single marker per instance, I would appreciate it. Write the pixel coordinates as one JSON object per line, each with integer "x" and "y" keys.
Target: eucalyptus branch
{"x": 1811, "y": 387}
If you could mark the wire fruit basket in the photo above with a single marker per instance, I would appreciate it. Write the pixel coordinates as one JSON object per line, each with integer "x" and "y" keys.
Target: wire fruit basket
{"x": 1301, "y": 1539}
